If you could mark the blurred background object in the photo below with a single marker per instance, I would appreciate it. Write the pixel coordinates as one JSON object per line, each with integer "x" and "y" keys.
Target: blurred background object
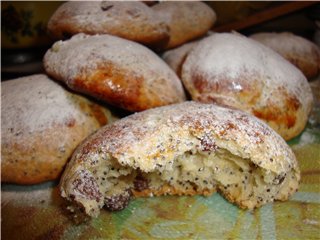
{"x": 23, "y": 36}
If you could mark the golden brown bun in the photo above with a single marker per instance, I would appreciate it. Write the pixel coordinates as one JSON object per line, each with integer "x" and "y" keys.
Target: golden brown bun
{"x": 186, "y": 20}
{"x": 301, "y": 52}
{"x": 118, "y": 71}
{"x": 236, "y": 71}
{"x": 131, "y": 20}
{"x": 41, "y": 125}
{"x": 184, "y": 149}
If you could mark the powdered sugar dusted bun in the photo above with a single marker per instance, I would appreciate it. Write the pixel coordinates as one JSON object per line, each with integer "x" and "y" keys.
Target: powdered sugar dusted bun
{"x": 301, "y": 52}
{"x": 232, "y": 70}
{"x": 182, "y": 149}
{"x": 175, "y": 57}
{"x": 131, "y": 20}
{"x": 120, "y": 72}
{"x": 41, "y": 125}
{"x": 186, "y": 20}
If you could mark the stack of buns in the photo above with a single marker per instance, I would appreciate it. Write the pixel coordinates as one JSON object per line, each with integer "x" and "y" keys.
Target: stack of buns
{"x": 213, "y": 109}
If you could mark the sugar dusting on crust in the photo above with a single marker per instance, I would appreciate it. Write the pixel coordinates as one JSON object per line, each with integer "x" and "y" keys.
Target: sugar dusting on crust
{"x": 187, "y": 20}
{"x": 138, "y": 136}
{"x": 301, "y": 52}
{"x": 220, "y": 146}
{"x": 175, "y": 57}
{"x": 131, "y": 20}
{"x": 34, "y": 95}
{"x": 231, "y": 67}
{"x": 231, "y": 55}
{"x": 288, "y": 42}
{"x": 83, "y": 55}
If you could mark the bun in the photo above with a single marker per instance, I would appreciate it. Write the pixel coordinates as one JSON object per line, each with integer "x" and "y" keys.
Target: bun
{"x": 238, "y": 72}
{"x": 182, "y": 149}
{"x": 301, "y": 52}
{"x": 186, "y": 20}
{"x": 120, "y": 72}
{"x": 176, "y": 57}
{"x": 42, "y": 123}
{"x": 131, "y": 20}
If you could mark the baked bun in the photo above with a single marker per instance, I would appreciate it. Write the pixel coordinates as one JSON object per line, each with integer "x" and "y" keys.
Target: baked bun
{"x": 131, "y": 20}
{"x": 175, "y": 57}
{"x": 41, "y": 125}
{"x": 301, "y": 52}
{"x": 120, "y": 72}
{"x": 235, "y": 71}
{"x": 186, "y": 20}
{"x": 182, "y": 149}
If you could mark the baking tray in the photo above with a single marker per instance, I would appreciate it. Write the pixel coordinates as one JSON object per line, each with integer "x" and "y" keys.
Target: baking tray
{"x": 38, "y": 212}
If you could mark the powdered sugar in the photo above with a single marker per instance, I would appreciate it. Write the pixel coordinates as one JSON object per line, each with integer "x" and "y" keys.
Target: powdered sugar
{"x": 131, "y": 20}
{"x": 166, "y": 131}
{"x": 35, "y": 103}
{"x": 232, "y": 54}
{"x": 175, "y": 57}
{"x": 82, "y": 55}
{"x": 236, "y": 71}
{"x": 287, "y": 42}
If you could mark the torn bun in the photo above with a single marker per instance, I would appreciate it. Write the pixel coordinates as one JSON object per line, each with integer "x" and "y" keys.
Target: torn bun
{"x": 182, "y": 149}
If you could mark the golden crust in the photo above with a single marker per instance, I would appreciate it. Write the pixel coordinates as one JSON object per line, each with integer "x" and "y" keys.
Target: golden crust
{"x": 301, "y": 52}
{"x": 130, "y": 20}
{"x": 235, "y": 71}
{"x": 110, "y": 69}
{"x": 42, "y": 125}
{"x": 186, "y": 20}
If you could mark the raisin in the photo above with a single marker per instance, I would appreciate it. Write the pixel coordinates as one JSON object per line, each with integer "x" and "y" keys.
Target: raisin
{"x": 87, "y": 186}
{"x": 140, "y": 183}
{"x": 118, "y": 202}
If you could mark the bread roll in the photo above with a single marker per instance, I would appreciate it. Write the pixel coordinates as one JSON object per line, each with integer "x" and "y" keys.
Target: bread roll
{"x": 131, "y": 20}
{"x": 182, "y": 149}
{"x": 186, "y": 20}
{"x": 176, "y": 57}
{"x": 301, "y": 52}
{"x": 120, "y": 72}
{"x": 233, "y": 70}
{"x": 41, "y": 125}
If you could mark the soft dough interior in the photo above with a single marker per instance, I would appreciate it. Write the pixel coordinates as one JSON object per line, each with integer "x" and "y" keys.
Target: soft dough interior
{"x": 194, "y": 172}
